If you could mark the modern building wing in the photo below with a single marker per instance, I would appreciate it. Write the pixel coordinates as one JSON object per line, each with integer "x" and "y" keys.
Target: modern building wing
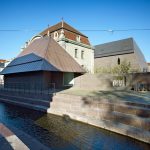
{"x": 119, "y": 47}
{"x": 108, "y": 55}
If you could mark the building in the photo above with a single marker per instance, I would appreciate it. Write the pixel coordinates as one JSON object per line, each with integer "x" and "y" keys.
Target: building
{"x": 44, "y": 62}
{"x": 111, "y": 54}
{"x": 74, "y": 42}
{"x": 148, "y": 67}
{"x": 3, "y": 64}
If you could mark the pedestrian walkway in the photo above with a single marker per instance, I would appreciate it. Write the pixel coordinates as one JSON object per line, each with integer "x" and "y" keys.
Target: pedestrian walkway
{"x": 13, "y": 139}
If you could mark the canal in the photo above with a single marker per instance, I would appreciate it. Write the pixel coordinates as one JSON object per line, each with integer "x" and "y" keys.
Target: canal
{"x": 61, "y": 133}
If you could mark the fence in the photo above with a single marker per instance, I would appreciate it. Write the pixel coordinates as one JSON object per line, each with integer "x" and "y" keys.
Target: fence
{"x": 28, "y": 88}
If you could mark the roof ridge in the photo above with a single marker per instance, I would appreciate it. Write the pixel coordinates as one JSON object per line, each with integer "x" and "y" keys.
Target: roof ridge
{"x": 46, "y": 50}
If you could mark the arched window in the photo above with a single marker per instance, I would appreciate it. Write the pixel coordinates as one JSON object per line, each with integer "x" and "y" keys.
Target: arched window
{"x": 118, "y": 61}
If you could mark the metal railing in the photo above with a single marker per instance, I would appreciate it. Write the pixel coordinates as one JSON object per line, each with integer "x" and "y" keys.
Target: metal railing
{"x": 28, "y": 88}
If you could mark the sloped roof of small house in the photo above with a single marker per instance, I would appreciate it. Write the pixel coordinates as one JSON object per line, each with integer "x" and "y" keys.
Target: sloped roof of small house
{"x": 43, "y": 54}
{"x": 119, "y": 47}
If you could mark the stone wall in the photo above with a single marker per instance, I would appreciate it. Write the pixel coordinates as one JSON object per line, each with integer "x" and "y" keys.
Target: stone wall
{"x": 111, "y": 61}
{"x": 94, "y": 81}
{"x": 127, "y": 118}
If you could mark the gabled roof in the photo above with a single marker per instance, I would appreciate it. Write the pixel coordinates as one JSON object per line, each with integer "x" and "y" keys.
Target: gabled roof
{"x": 58, "y": 26}
{"x": 119, "y": 47}
{"x": 43, "y": 54}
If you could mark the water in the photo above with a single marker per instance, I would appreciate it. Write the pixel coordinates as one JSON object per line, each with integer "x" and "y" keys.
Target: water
{"x": 61, "y": 133}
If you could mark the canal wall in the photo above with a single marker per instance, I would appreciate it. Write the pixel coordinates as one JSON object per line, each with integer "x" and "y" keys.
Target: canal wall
{"x": 124, "y": 117}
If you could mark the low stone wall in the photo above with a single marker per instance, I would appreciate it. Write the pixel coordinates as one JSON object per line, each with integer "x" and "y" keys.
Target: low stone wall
{"x": 94, "y": 81}
{"x": 127, "y": 118}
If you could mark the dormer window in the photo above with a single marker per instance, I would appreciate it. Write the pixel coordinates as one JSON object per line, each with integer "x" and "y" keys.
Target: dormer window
{"x": 78, "y": 38}
{"x": 55, "y": 35}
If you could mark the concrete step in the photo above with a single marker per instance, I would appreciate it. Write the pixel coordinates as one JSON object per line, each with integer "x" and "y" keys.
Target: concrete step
{"x": 26, "y": 100}
{"x": 109, "y": 107}
{"x": 27, "y": 105}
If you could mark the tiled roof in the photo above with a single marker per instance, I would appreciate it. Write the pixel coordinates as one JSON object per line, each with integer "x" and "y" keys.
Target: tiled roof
{"x": 119, "y": 47}
{"x": 58, "y": 26}
{"x": 3, "y": 60}
{"x": 70, "y": 32}
{"x": 43, "y": 54}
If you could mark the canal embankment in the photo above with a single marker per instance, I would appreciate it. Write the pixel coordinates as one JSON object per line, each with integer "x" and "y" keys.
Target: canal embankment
{"x": 126, "y": 117}
{"x": 126, "y": 113}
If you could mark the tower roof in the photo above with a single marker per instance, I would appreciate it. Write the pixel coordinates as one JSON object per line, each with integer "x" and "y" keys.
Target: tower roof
{"x": 43, "y": 54}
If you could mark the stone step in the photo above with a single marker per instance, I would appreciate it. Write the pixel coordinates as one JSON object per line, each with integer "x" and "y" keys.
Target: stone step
{"x": 90, "y": 99}
{"x": 109, "y": 107}
{"x": 134, "y": 110}
{"x": 26, "y": 100}
{"x": 27, "y": 105}
{"x": 131, "y": 120}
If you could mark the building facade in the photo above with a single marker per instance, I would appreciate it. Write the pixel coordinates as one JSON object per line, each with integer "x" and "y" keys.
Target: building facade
{"x": 74, "y": 42}
{"x": 114, "y": 53}
{"x": 148, "y": 67}
{"x": 3, "y": 64}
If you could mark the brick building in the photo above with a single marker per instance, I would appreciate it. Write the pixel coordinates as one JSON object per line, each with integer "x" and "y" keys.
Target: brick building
{"x": 111, "y": 54}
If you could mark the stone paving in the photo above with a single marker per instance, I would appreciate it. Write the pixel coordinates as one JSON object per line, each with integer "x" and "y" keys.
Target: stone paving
{"x": 13, "y": 139}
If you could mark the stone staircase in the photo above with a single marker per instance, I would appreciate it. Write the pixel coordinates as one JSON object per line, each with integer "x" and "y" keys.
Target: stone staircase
{"x": 124, "y": 117}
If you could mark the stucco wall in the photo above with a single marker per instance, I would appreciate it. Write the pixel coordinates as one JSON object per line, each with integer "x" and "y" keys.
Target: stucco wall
{"x": 87, "y": 61}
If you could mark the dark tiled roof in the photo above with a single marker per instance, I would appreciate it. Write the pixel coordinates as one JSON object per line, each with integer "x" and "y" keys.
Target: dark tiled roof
{"x": 119, "y": 47}
{"x": 43, "y": 54}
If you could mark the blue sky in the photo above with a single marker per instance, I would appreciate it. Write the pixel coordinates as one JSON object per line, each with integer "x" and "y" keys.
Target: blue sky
{"x": 81, "y": 14}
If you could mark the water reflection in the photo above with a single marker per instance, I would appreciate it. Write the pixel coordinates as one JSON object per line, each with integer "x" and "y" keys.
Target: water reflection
{"x": 61, "y": 133}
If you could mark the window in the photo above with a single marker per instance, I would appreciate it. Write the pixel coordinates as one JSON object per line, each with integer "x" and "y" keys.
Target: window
{"x": 76, "y": 53}
{"x": 55, "y": 35}
{"x": 118, "y": 61}
{"x": 82, "y": 54}
{"x": 78, "y": 38}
